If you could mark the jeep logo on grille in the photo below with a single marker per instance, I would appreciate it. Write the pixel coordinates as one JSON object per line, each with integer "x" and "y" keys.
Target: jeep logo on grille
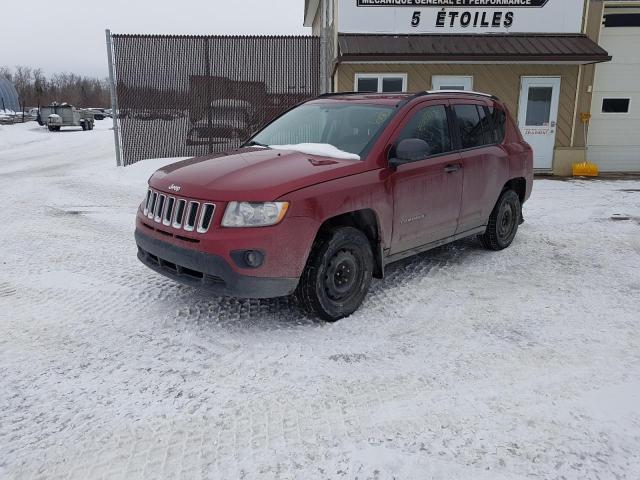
{"x": 174, "y": 187}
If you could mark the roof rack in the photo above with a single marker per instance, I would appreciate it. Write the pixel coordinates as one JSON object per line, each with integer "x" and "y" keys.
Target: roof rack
{"x": 334, "y": 94}
{"x": 434, "y": 92}
{"x": 411, "y": 97}
{"x": 467, "y": 92}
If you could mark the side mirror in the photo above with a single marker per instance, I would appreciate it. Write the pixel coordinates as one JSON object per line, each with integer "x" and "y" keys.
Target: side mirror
{"x": 409, "y": 150}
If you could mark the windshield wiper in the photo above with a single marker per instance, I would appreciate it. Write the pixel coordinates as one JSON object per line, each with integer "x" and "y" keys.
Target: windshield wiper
{"x": 253, "y": 143}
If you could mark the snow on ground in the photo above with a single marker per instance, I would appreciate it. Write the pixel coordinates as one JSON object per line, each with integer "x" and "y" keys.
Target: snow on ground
{"x": 461, "y": 364}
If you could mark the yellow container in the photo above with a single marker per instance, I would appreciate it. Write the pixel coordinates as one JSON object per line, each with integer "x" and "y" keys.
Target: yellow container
{"x": 585, "y": 169}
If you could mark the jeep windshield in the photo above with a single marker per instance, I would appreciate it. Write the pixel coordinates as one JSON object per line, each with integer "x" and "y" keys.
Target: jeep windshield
{"x": 340, "y": 130}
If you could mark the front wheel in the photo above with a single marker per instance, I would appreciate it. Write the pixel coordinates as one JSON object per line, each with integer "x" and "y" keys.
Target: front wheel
{"x": 503, "y": 222}
{"x": 338, "y": 274}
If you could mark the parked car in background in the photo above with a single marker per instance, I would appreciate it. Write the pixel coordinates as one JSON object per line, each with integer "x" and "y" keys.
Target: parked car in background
{"x": 100, "y": 113}
{"x": 327, "y": 195}
{"x": 231, "y": 119}
{"x": 26, "y": 116}
{"x": 7, "y": 116}
{"x": 56, "y": 116}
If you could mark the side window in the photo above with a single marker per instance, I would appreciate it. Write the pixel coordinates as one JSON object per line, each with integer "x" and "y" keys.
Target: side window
{"x": 499, "y": 120}
{"x": 470, "y": 126}
{"x": 487, "y": 134}
{"x": 430, "y": 124}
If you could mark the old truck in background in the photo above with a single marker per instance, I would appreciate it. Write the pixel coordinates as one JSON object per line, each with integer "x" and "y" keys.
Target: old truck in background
{"x": 56, "y": 116}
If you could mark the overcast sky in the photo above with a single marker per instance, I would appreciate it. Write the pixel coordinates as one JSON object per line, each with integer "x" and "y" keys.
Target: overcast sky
{"x": 69, "y": 35}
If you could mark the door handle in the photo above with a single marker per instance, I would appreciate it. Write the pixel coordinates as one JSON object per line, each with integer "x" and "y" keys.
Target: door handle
{"x": 452, "y": 168}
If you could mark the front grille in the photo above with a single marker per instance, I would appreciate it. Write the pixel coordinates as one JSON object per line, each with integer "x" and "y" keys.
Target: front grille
{"x": 178, "y": 213}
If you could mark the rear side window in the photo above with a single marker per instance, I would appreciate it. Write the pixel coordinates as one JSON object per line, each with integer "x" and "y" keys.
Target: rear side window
{"x": 430, "y": 124}
{"x": 487, "y": 133}
{"x": 499, "y": 120}
{"x": 470, "y": 126}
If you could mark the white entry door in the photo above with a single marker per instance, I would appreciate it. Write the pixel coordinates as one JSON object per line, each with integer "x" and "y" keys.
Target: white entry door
{"x": 452, "y": 82}
{"x": 538, "y": 117}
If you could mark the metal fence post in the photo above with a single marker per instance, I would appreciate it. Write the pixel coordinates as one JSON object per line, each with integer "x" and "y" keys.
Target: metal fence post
{"x": 207, "y": 53}
{"x": 323, "y": 48}
{"x": 114, "y": 97}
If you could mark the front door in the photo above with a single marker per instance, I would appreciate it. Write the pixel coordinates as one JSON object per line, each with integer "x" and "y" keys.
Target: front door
{"x": 538, "y": 117}
{"x": 427, "y": 192}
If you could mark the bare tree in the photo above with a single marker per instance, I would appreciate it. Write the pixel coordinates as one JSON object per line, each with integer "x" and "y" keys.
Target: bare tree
{"x": 5, "y": 72}
{"x": 34, "y": 88}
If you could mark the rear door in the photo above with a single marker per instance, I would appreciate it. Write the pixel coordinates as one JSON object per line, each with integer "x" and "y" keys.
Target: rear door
{"x": 427, "y": 192}
{"x": 485, "y": 162}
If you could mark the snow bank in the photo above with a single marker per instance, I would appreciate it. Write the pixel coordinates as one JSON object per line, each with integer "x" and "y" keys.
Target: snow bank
{"x": 98, "y": 168}
{"x": 136, "y": 175}
{"x": 320, "y": 149}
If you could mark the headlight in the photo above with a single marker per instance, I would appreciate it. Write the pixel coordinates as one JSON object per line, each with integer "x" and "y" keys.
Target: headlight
{"x": 250, "y": 214}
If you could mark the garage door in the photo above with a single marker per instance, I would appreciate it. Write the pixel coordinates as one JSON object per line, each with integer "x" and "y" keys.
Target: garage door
{"x": 614, "y": 138}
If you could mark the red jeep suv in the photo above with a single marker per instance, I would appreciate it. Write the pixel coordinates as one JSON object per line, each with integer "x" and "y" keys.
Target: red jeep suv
{"x": 335, "y": 189}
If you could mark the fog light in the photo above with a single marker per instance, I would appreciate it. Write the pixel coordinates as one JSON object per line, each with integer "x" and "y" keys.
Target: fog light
{"x": 248, "y": 258}
{"x": 253, "y": 258}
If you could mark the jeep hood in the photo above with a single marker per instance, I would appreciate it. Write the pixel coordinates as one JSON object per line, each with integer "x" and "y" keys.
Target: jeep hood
{"x": 250, "y": 174}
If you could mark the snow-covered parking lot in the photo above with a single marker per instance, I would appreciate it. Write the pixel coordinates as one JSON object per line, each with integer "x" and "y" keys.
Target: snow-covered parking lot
{"x": 461, "y": 364}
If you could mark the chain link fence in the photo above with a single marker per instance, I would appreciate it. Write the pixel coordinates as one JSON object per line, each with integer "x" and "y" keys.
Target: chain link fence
{"x": 181, "y": 96}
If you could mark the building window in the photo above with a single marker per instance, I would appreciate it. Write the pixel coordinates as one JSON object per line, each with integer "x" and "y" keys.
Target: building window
{"x": 452, "y": 82}
{"x": 622, "y": 20}
{"x": 539, "y": 106}
{"x": 615, "y": 105}
{"x": 381, "y": 82}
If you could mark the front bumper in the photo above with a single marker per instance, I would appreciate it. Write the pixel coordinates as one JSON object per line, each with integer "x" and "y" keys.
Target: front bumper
{"x": 207, "y": 271}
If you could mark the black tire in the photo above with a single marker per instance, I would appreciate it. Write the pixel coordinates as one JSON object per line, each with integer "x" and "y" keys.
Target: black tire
{"x": 503, "y": 222}
{"x": 51, "y": 129}
{"x": 84, "y": 126}
{"x": 338, "y": 274}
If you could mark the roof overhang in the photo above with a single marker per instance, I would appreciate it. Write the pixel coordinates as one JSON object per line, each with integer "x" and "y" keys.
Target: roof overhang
{"x": 310, "y": 9}
{"x": 480, "y": 48}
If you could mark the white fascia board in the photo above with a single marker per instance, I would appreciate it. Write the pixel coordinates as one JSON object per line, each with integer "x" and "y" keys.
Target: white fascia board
{"x": 310, "y": 13}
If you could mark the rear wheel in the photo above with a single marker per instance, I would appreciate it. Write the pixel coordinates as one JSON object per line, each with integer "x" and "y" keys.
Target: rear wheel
{"x": 338, "y": 274}
{"x": 503, "y": 222}
{"x": 84, "y": 126}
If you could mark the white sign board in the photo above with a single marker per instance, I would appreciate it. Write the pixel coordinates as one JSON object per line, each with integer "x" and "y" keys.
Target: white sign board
{"x": 460, "y": 16}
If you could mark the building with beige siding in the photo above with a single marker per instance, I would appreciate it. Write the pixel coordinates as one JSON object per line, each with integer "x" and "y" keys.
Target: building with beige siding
{"x": 538, "y": 56}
